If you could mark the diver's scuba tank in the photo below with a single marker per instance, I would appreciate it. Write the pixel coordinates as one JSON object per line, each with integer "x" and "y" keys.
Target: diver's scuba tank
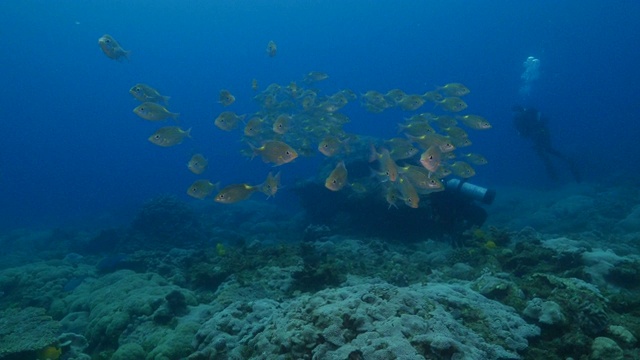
{"x": 471, "y": 191}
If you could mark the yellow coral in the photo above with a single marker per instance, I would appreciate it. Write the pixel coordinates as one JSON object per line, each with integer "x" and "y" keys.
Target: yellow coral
{"x": 479, "y": 234}
{"x": 220, "y": 249}
{"x": 50, "y": 353}
{"x": 490, "y": 244}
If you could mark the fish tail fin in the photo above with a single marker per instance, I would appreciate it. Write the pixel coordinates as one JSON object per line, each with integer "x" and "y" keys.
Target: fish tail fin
{"x": 188, "y": 132}
{"x": 373, "y": 173}
{"x": 165, "y": 99}
{"x": 254, "y": 150}
{"x": 373, "y": 156}
{"x": 345, "y": 143}
{"x": 174, "y": 116}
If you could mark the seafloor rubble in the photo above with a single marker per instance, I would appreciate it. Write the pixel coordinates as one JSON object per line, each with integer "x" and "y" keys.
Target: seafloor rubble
{"x": 250, "y": 285}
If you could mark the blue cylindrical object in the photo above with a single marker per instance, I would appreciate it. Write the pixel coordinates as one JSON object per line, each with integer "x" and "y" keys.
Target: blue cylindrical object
{"x": 475, "y": 192}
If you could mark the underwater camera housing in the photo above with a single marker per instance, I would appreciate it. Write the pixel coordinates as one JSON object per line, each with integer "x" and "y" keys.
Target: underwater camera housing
{"x": 471, "y": 191}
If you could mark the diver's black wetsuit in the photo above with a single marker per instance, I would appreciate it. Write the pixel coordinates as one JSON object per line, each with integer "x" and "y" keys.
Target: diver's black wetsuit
{"x": 530, "y": 123}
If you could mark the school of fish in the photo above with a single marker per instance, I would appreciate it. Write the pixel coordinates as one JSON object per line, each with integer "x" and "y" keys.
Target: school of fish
{"x": 294, "y": 121}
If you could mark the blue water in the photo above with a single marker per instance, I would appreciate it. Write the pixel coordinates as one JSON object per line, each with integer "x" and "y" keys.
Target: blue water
{"x": 72, "y": 151}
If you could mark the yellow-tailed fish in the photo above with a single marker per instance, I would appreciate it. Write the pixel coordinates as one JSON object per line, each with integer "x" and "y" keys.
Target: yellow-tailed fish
{"x": 374, "y": 101}
{"x": 456, "y": 132}
{"x": 418, "y": 176}
{"x": 271, "y": 185}
{"x": 395, "y": 96}
{"x": 112, "y": 49}
{"x": 358, "y": 188}
{"x": 460, "y": 142}
{"x": 416, "y": 128}
{"x": 145, "y": 93}
{"x": 401, "y": 149}
{"x": 169, "y": 136}
{"x": 430, "y": 159}
{"x": 445, "y": 121}
{"x": 276, "y": 152}
{"x": 475, "y": 122}
{"x": 340, "y": 99}
{"x": 226, "y": 98}
{"x": 475, "y": 159}
{"x": 292, "y": 88}
{"x": 315, "y": 76}
{"x": 154, "y": 112}
{"x": 197, "y": 164}
{"x": 454, "y": 89}
{"x": 272, "y": 49}
{"x": 307, "y": 101}
{"x": 330, "y": 145}
{"x": 462, "y": 169}
{"x": 281, "y": 124}
{"x": 338, "y": 177}
{"x": 443, "y": 143}
{"x": 349, "y": 94}
{"x": 200, "y": 189}
{"x": 391, "y": 196}
{"x": 422, "y": 117}
{"x": 235, "y": 193}
{"x": 411, "y": 102}
{"x": 433, "y": 96}
{"x": 452, "y": 104}
{"x": 328, "y": 106}
{"x": 253, "y": 127}
{"x": 441, "y": 173}
{"x": 408, "y": 192}
{"x": 228, "y": 120}
{"x": 388, "y": 167}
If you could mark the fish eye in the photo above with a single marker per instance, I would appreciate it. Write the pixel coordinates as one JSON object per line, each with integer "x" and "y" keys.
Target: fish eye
{"x": 157, "y": 137}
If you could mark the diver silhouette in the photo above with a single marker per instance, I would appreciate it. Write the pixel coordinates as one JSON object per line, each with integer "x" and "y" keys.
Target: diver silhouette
{"x": 531, "y": 124}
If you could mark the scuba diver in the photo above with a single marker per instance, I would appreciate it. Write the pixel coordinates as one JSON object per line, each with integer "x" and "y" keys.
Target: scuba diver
{"x": 457, "y": 209}
{"x": 530, "y": 123}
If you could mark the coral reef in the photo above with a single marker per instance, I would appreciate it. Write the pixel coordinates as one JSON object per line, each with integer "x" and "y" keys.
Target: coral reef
{"x": 256, "y": 286}
{"x": 26, "y": 331}
{"x": 374, "y": 317}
